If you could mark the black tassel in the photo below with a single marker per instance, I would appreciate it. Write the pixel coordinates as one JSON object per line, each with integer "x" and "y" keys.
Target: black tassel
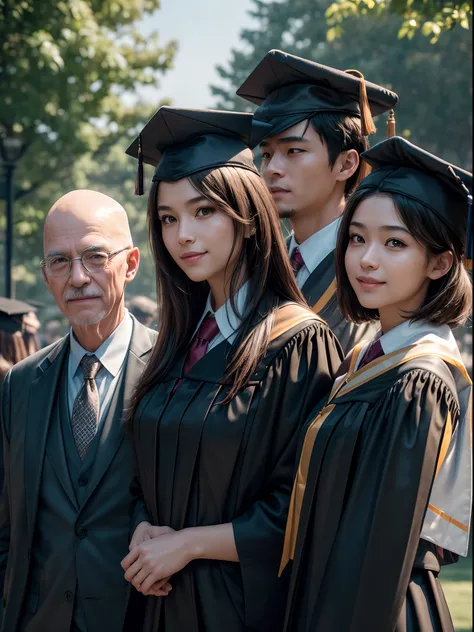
{"x": 139, "y": 180}
{"x": 469, "y": 236}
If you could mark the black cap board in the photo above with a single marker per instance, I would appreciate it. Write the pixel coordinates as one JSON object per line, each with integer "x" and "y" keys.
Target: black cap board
{"x": 290, "y": 89}
{"x": 446, "y": 190}
{"x": 12, "y": 312}
{"x": 180, "y": 142}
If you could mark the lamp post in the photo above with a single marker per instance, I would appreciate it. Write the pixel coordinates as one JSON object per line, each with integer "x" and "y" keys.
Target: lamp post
{"x": 11, "y": 149}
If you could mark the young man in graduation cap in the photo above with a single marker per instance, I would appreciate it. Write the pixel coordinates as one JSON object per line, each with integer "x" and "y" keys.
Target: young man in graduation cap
{"x": 320, "y": 118}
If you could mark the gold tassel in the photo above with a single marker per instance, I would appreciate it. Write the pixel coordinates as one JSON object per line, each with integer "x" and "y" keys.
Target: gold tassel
{"x": 367, "y": 122}
{"x": 140, "y": 180}
{"x": 391, "y": 125}
{"x": 467, "y": 264}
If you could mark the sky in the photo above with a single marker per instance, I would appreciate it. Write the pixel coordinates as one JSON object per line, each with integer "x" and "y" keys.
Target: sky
{"x": 206, "y": 31}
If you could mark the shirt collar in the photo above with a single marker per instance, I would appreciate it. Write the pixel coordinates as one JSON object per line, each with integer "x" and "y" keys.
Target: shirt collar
{"x": 409, "y": 333}
{"x": 227, "y": 320}
{"x": 111, "y": 352}
{"x": 318, "y": 246}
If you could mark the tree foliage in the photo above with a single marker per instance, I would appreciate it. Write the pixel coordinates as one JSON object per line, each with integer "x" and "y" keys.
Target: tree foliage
{"x": 433, "y": 81}
{"x": 431, "y": 17}
{"x": 69, "y": 74}
{"x": 64, "y": 68}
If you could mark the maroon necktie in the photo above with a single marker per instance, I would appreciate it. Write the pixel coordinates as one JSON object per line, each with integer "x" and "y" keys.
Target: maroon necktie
{"x": 208, "y": 330}
{"x": 374, "y": 351}
{"x": 296, "y": 260}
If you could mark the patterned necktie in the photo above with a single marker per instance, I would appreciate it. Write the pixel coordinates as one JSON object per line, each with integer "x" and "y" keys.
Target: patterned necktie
{"x": 296, "y": 260}
{"x": 206, "y": 332}
{"x": 374, "y": 351}
{"x": 85, "y": 412}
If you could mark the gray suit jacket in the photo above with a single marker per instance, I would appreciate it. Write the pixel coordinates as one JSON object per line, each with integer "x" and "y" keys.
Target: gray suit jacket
{"x": 28, "y": 397}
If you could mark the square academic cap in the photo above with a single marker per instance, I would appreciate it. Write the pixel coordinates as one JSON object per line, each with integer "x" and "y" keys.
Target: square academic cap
{"x": 12, "y": 312}
{"x": 446, "y": 190}
{"x": 290, "y": 89}
{"x": 180, "y": 142}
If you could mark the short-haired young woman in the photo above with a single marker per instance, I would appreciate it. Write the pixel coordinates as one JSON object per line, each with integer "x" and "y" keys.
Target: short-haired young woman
{"x": 382, "y": 497}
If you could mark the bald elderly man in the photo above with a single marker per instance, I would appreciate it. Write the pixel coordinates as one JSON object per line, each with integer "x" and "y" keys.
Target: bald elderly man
{"x": 68, "y": 504}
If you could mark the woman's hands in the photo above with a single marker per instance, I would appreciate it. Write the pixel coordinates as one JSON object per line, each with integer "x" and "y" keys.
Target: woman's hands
{"x": 146, "y": 531}
{"x": 156, "y": 553}
{"x": 152, "y": 561}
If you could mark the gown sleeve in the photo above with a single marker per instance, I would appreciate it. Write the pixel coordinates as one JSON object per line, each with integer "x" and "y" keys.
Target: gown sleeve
{"x": 300, "y": 375}
{"x": 369, "y": 482}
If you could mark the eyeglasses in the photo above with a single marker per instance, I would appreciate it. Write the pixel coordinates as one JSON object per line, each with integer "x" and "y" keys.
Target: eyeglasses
{"x": 93, "y": 261}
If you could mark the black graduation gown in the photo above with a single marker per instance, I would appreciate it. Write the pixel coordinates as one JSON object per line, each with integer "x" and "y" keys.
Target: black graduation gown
{"x": 201, "y": 463}
{"x": 359, "y": 564}
{"x": 319, "y": 290}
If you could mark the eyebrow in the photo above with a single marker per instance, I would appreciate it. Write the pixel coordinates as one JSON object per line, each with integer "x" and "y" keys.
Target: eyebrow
{"x": 286, "y": 139}
{"x": 61, "y": 253}
{"x": 194, "y": 200}
{"x": 384, "y": 227}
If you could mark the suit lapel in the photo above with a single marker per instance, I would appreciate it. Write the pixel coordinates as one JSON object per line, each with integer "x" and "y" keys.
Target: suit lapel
{"x": 113, "y": 431}
{"x": 40, "y": 405}
{"x": 319, "y": 281}
{"x": 55, "y": 449}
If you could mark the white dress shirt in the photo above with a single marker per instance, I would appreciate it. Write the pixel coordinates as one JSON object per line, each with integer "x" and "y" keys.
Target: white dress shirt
{"x": 315, "y": 249}
{"x": 227, "y": 320}
{"x": 111, "y": 353}
{"x": 408, "y": 333}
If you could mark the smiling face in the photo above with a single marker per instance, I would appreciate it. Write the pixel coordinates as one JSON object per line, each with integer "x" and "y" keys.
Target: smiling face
{"x": 387, "y": 268}
{"x": 197, "y": 234}
{"x": 87, "y": 221}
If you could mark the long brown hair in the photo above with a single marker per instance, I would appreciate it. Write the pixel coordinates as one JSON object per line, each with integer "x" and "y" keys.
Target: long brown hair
{"x": 243, "y": 195}
{"x": 448, "y": 300}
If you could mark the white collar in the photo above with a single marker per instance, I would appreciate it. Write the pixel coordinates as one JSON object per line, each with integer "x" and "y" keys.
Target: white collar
{"x": 227, "y": 320}
{"x": 111, "y": 352}
{"x": 318, "y": 246}
{"x": 409, "y": 333}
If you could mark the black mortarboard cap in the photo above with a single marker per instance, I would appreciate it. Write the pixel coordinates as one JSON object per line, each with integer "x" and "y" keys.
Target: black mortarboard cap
{"x": 401, "y": 167}
{"x": 180, "y": 142}
{"x": 12, "y": 312}
{"x": 290, "y": 89}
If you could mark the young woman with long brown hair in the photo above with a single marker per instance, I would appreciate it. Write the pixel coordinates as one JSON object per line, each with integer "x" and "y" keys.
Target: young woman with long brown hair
{"x": 238, "y": 362}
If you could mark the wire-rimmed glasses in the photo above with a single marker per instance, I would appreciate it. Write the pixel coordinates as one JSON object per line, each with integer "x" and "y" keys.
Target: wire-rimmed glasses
{"x": 93, "y": 261}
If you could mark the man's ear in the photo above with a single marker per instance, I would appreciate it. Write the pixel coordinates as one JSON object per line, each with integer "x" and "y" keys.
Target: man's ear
{"x": 133, "y": 263}
{"x": 346, "y": 165}
{"x": 440, "y": 265}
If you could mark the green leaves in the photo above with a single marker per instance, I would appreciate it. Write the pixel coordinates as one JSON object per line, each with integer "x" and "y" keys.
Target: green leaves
{"x": 430, "y": 17}
{"x": 65, "y": 63}
{"x": 65, "y": 66}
